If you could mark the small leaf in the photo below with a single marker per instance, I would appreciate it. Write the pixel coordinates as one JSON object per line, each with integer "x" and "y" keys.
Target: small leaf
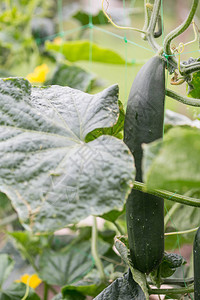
{"x": 121, "y": 289}
{"x": 86, "y": 288}
{"x": 121, "y": 244}
{"x": 16, "y": 291}
{"x": 195, "y": 82}
{"x": 113, "y": 215}
{"x": 169, "y": 263}
{"x": 81, "y": 49}
{"x": 84, "y": 18}
{"x": 6, "y": 266}
{"x": 72, "y": 76}
{"x": 28, "y": 243}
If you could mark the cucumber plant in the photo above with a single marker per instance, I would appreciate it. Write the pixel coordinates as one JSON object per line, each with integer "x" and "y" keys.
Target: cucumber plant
{"x": 62, "y": 160}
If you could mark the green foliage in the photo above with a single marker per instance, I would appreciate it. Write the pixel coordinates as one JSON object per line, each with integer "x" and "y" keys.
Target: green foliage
{"x": 84, "y": 18}
{"x": 194, "y": 92}
{"x": 15, "y": 291}
{"x": 72, "y": 76}
{"x": 50, "y": 126}
{"x": 179, "y": 173}
{"x": 81, "y": 49}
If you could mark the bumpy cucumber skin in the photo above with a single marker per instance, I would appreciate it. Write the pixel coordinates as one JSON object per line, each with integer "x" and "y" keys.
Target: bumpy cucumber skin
{"x": 144, "y": 124}
{"x": 196, "y": 257}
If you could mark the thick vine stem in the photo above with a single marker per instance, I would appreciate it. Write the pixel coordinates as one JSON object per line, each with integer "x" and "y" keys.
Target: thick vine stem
{"x": 184, "y": 290}
{"x": 167, "y": 195}
{"x": 183, "y": 99}
{"x": 188, "y": 69}
{"x": 146, "y": 20}
{"x": 177, "y": 281}
{"x": 95, "y": 253}
{"x": 152, "y": 25}
{"x": 176, "y": 32}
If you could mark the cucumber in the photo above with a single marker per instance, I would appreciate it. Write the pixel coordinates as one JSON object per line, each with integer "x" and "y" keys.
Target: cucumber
{"x": 196, "y": 258}
{"x": 144, "y": 124}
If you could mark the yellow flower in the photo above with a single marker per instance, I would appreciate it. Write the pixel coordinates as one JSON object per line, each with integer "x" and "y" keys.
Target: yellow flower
{"x": 39, "y": 74}
{"x": 31, "y": 280}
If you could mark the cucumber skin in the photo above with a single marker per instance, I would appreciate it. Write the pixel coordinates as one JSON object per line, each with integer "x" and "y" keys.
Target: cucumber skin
{"x": 144, "y": 124}
{"x": 196, "y": 257}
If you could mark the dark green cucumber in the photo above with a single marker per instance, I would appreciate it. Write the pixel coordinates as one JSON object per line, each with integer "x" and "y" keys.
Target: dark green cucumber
{"x": 196, "y": 257}
{"x": 144, "y": 124}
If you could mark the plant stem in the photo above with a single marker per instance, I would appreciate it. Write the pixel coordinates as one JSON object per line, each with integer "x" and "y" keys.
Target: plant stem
{"x": 177, "y": 31}
{"x": 152, "y": 25}
{"x": 170, "y": 291}
{"x": 170, "y": 213}
{"x": 95, "y": 253}
{"x": 167, "y": 195}
{"x": 183, "y": 99}
{"x": 118, "y": 227}
{"x": 178, "y": 281}
{"x": 146, "y": 20}
{"x": 182, "y": 232}
{"x": 46, "y": 291}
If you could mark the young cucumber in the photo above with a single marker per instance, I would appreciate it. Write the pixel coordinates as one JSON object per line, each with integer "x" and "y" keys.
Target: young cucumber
{"x": 196, "y": 257}
{"x": 144, "y": 124}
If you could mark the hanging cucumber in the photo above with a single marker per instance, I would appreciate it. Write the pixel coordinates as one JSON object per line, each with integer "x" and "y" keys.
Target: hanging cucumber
{"x": 144, "y": 124}
{"x": 196, "y": 257}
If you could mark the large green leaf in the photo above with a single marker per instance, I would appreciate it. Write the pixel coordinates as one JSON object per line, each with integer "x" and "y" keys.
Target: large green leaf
{"x": 17, "y": 291}
{"x": 70, "y": 265}
{"x": 82, "y": 50}
{"x": 176, "y": 167}
{"x": 6, "y": 266}
{"x": 50, "y": 173}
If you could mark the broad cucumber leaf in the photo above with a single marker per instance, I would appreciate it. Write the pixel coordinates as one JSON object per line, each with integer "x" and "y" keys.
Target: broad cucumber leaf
{"x": 72, "y": 76}
{"x": 70, "y": 265}
{"x": 176, "y": 167}
{"x": 52, "y": 176}
{"x": 16, "y": 291}
{"x": 6, "y": 266}
{"x": 82, "y": 49}
{"x": 121, "y": 289}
